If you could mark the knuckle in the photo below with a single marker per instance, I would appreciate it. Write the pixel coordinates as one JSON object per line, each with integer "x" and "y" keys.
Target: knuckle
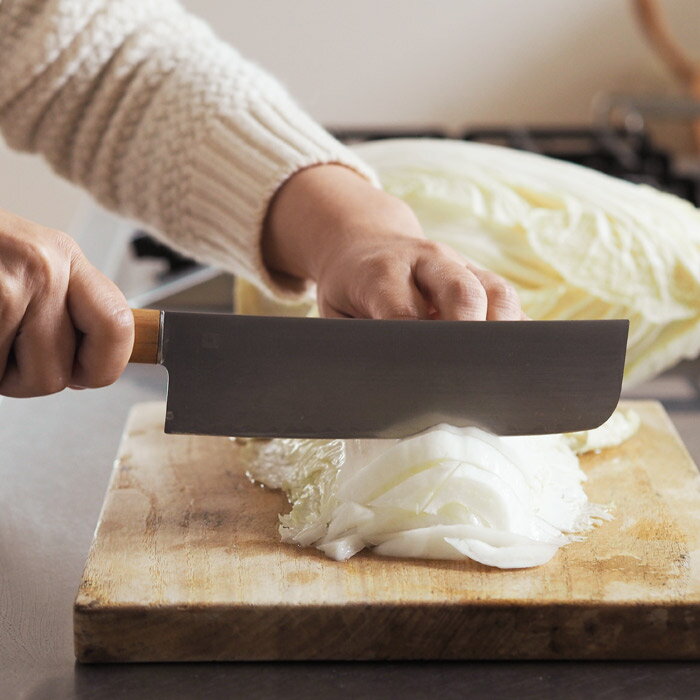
{"x": 437, "y": 251}
{"x": 465, "y": 292}
{"x": 46, "y": 263}
{"x": 388, "y": 298}
{"x": 11, "y": 298}
{"x": 504, "y": 295}
{"x": 65, "y": 244}
{"x": 122, "y": 319}
{"x": 501, "y": 289}
{"x": 117, "y": 320}
{"x": 431, "y": 248}
{"x": 379, "y": 266}
{"x": 383, "y": 288}
{"x": 40, "y": 263}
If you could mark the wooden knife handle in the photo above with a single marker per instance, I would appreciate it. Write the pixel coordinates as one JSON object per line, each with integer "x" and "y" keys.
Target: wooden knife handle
{"x": 146, "y": 336}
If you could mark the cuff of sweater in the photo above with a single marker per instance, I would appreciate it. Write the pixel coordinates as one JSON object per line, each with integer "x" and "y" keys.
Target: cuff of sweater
{"x": 239, "y": 164}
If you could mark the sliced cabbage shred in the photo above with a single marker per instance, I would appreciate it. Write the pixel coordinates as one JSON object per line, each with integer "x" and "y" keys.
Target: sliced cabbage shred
{"x": 448, "y": 493}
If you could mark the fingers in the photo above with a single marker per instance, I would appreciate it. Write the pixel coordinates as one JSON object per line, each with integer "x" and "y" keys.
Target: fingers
{"x": 62, "y": 323}
{"x": 462, "y": 291}
{"x": 13, "y": 305}
{"x": 42, "y": 357}
{"x": 503, "y": 300}
{"x": 441, "y": 285}
{"x": 382, "y": 287}
{"x": 396, "y": 297}
{"x": 455, "y": 292}
{"x": 103, "y": 318}
{"x": 37, "y": 338}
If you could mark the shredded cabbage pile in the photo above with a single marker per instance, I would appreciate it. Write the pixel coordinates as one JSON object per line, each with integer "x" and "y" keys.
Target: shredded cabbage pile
{"x": 448, "y": 493}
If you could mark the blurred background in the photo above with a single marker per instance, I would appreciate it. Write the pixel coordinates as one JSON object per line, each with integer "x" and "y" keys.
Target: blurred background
{"x": 445, "y": 64}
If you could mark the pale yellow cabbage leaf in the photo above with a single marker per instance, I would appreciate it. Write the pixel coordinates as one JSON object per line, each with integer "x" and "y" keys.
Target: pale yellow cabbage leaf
{"x": 576, "y": 244}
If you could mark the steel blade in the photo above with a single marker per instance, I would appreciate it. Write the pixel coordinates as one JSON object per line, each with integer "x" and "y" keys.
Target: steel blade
{"x": 346, "y": 378}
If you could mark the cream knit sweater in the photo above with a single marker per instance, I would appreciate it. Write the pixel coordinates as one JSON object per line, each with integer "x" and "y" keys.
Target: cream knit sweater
{"x": 139, "y": 102}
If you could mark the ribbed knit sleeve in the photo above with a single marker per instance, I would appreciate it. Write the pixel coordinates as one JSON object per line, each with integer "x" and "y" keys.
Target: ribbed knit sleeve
{"x": 140, "y": 103}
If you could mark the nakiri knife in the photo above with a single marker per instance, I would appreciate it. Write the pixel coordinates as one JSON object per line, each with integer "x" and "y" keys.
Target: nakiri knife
{"x": 349, "y": 378}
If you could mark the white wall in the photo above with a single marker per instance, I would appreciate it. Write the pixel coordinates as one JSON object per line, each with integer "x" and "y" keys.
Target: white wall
{"x": 449, "y": 63}
{"x": 442, "y": 61}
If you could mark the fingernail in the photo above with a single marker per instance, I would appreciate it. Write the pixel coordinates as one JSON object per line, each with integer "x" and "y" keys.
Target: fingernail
{"x": 76, "y": 387}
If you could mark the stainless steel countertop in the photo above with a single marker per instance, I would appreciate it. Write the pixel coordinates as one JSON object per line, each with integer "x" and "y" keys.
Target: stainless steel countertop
{"x": 55, "y": 461}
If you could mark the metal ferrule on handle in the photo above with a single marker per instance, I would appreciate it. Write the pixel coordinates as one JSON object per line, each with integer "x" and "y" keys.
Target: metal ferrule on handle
{"x": 148, "y": 324}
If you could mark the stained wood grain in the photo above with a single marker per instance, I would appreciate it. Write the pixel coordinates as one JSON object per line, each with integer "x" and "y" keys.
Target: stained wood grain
{"x": 146, "y": 336}
{"x": 187, "y": 565}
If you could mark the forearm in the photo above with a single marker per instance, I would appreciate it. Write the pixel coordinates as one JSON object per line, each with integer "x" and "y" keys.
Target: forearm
{"x": 138, "y": 102}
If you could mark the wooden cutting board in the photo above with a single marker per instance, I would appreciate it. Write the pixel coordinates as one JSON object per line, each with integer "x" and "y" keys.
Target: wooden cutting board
{"x": 187, "y": 565}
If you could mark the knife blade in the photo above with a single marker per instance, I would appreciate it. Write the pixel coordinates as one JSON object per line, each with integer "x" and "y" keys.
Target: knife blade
{"x": 353, "y": 378}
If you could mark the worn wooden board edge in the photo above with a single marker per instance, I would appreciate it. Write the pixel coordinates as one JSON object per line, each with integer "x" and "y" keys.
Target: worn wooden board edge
{"x": 472, "y": 631}
{"x": 458, "y": 632}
